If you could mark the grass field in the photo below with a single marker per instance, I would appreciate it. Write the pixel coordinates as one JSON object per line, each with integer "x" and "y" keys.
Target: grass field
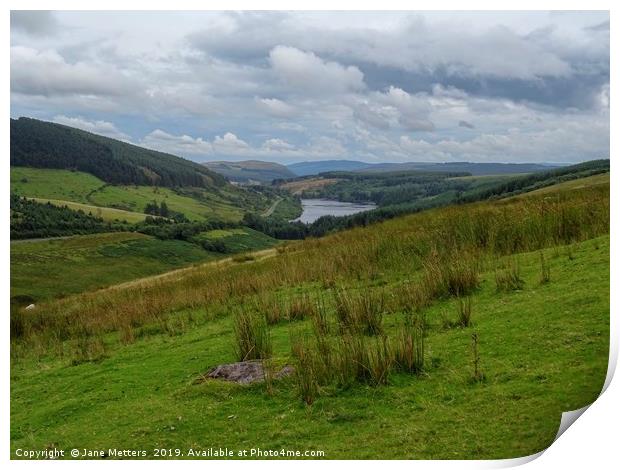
{"x": 236, "y": 240}
{"x": 54, "y": 268}
{"x": 579, "y": 183}
{"x": 106, "y": 213}
{"x": 122, "y": 363}
{"x": 64, "y": 185}
{"x": 73, "y": 186}
{"x": 543, "y": 351}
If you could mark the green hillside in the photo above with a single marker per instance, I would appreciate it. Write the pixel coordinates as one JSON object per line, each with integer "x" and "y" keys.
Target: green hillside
{"x": 41, "y": 144}
{"x": 222, "y": 203}
{"x": 453, "y": 333}
{"x": 251, "y": 171}
{"x": 44, "y": 269}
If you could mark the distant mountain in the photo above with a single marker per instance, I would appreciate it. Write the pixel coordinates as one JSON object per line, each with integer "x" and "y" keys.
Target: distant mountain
{"x": 251, "y": 171}
{"x": 476, "y": 169}
{"x": 314, "y": 168}
{"x": 41, "y": 144}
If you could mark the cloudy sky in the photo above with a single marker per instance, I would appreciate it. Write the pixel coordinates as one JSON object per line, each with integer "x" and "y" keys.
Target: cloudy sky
{"x": 286, "y": 87}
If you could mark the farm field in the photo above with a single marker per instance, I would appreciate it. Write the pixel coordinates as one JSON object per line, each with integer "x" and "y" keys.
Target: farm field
{"x": 492, "y": 384}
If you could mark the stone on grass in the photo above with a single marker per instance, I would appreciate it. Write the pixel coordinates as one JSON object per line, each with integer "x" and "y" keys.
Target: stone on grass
{"x": 245, "y": 372}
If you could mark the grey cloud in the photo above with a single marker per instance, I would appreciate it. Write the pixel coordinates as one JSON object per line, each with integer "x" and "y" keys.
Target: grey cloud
{"x": 47, "y": 73}
{"x": 362, "y": 112}
{"x": 306, "y": 85}
{"x": 35, "y": 22}
{"x": 604, "y": 26}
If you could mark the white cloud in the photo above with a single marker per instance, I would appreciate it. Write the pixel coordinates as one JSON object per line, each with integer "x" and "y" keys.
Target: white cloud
{"x": 277, "y": 145}
{"x": 275, "y": 107}
{"x": 46, "y": 72}
{"x": 105, "y": 128}
{"x": 182, "y": 145}
{"x": 230, "y": 144}
{"x": 306, "y": 72}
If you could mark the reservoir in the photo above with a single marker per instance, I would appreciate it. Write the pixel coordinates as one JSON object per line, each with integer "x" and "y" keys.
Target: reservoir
{"x": 315, "y": 208}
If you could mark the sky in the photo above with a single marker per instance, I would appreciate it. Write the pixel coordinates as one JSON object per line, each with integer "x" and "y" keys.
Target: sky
{"x": 299, "y": 86}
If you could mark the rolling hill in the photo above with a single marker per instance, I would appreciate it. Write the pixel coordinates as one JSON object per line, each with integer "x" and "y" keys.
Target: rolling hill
{"x": 314, "y": 168}
{"x": 41, "y": 144}
{"x": 57, "y": 163}
{"x": 534, "y": 272}
{"x": 250, "y": 171}
{"x": 475, "y": 169}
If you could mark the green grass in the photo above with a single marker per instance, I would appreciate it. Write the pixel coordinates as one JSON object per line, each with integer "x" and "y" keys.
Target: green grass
{"x": 63, "y": 185}
{"x": 589, "y": 181}
{"x": 135, "y": 198}
{"x": 543, "y": 350}
{"x": 236, "y": 240}
{"x": 287, "y": 209}
{"x": 117, "y": 367}
{"x": 106, "y": 213}
{"x": 227, "y": 203}
{"x": 54, "y": 268}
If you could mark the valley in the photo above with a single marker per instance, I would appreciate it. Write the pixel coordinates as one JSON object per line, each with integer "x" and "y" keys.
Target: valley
{"x": 541, "y": 339}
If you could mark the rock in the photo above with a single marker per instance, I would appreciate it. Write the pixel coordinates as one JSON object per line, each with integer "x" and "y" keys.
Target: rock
{"x": 246, "y": 372}
{"x": 30, "y": 307}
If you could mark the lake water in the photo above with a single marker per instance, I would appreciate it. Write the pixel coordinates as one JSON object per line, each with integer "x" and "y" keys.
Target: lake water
{"x": 315, "y": 208}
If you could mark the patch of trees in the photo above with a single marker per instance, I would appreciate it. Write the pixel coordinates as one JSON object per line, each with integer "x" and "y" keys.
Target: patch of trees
{"x": 43, "y": 144}
{"x": 31, "y": 219}
{"x": 390, "y": 188}
{"x": 152, "y": 208}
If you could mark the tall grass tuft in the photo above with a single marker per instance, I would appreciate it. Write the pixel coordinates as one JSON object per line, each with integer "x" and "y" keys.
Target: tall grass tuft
{"x": 509, "y": 278}
{"x": 305, "y": 370}
{"x": 320, "y": 318}
{"x": 379, "y": 359}
{"x": 545, "y": 270}
{"x": 409, "y": 350}
{"x": 252, "y": 339}
{"x": 464, "y": 311}
{"x": 300, "y": 307}
{"x": 360, "y": 312}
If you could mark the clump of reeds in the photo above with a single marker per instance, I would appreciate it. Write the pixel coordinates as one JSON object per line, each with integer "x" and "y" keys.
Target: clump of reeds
{"x": 360, "y": 312}
{"x": 126, "y": 334}
{"x": 305, "y": 370}
{"x": 509, "y": 278}
{"x": 454, "y": 274}
{"x": 272, "y": 307}
{"x": 88, "y": 348}
{"x": 545, "y": 270}
{"x": 300, "y": 307}
{"x": 320, "y": 318}
{"x": 464, "y": 311}
{"x": 379, "y": 359}
{"x": 409, "y": 349}
{"x": 252, "y": 339}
